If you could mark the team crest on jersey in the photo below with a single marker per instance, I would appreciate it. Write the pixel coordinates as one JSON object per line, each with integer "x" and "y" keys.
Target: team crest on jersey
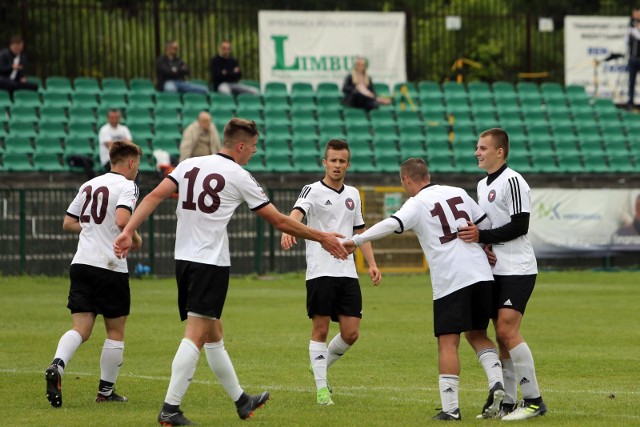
{"x": 350, "y": 204}
{"x": 492, "y": 196}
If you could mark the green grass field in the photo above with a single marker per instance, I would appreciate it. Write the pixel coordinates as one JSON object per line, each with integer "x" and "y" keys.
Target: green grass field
{"x": 583, "y": 329}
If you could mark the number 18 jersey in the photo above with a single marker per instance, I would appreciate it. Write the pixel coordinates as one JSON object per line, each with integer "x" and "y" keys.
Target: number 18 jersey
{"x": 95, "y": 207}
{"x": 210, "y": 189}
{"x": 435, "y": 214}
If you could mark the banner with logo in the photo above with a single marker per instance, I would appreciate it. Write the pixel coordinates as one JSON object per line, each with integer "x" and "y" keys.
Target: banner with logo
{"x": 595, "y": 55}
{"x": 570, "y": 222}
{"x": 322, "y": 46}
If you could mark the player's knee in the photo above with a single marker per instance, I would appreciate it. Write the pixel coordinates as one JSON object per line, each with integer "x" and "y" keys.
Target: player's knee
{"x": 350, "y": 337}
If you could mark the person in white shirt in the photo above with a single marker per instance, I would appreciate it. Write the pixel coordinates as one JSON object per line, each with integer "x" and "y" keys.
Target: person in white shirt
{"x": 333, "y": 290}
{"x": 460, "y": 274}
{"x": 211, "y": 188}
{"x": 99, "y": 280}
{"x": 111, "y": 132}
{"x": 506, "y": 198}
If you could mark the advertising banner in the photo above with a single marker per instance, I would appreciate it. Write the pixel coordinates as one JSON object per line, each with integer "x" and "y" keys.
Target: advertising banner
{"x": 595, "y": 55}
{"x": 589, "y": 222}
{"x": 322, "y": 46}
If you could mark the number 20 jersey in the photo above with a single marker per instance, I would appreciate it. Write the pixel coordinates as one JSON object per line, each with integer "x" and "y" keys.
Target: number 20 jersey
{"x": 95, "y": 207}
{"x": 435, "y": 214}
{"x": 210, "y": 189}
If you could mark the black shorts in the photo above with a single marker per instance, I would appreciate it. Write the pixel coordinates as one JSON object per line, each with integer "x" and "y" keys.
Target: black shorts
{"x": 331, "y": 296}
{"x": 202, "y": 288}
{"x": 99, "y": 291}
{"x": 512, "y": 292}
{"x": 464, "y": 310}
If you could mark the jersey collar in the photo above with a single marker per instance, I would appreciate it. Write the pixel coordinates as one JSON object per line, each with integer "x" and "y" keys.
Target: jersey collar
{"x": 115, "y": 173}
{"x": 331, "y": 188}
{"x": 493, "y": 176}
{"x": 226, "y": 156}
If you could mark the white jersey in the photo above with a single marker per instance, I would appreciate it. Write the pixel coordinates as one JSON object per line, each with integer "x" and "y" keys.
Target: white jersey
{"x": 435, "y": 214}
{"x": 95, "y": 207}
{"x": 211, "y": 188}
{"x": 109, "y": 133}
{"x": 330, "y": 210}
{"x": 508, "y": 194}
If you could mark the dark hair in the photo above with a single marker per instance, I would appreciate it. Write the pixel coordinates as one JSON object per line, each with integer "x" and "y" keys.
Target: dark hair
{"x": 237, "y": 130}
{"x": 337, "y": 144}
{"x": 16, "y": 39}
{"x": 120, "y": 150}
{"x": 416, "y": 169}
{"x": 500, "y": 139}
{"x": 114, "y": 110}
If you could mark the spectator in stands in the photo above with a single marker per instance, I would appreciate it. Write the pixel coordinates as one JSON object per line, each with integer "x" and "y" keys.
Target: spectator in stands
{"x": 632, "y": 225}
{"x": 358, "y": 88}
{"x": 225, "y": 72}
{"x": 111, "y": 132}
{"x": 171, "y": 72}
{"x": 200, "y": 138}
{"x": 634, "y": 53}
{"x": 12, "y": 67}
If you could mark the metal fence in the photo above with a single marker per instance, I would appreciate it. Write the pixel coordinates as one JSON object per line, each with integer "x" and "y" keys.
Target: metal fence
{"x": 33, "y": 241}
{"x": 116, "y": 38}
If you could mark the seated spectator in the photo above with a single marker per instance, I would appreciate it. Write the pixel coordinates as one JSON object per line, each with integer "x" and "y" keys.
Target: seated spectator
{"x": 200, "y": 138}
{"x": 358, "y": 88}
{"x": 109, "y": 133}
{"x": 171, "y": 72}
{"x": 225, "y": 72}
{"x": 12, "y": 67}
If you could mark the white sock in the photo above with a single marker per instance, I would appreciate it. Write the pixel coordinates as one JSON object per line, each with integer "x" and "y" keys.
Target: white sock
{"x": 182, "y": 370}
{"x": 510, "y": 383}
{"x": 525, "y": 371}
{"x": 111, "y": 360}
{"x": 337, "y": 348}
{"x": 221, "y": 365}
{"x": 318, "y": 356}
{"x": 67, "y": 347}
{"x": 490, "y": 361}
{"x": 449, "y": 391}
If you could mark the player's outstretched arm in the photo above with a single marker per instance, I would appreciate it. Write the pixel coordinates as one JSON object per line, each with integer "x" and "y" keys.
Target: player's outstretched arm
{"x": 329, "y": 241}
{"x": 367, "y": 252}
{"x": 124, "y": 241}
{"x": 288, "y": 241}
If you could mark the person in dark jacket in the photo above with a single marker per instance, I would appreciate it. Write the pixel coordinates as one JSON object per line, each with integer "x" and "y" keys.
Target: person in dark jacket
{"x": 634, "y": 53}
{"x": 226, "y": 73}
{"x": 358, "y": 88}
{"x": 171, "y": 72}
{"x": 12, "y": 67}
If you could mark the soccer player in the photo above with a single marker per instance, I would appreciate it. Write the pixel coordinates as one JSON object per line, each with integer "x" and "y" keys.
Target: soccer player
{"x": 99, "y": 280}
{"x": 506, "y": 198}
{"x": 211, "y": 188}
{"x": 460, "y": 272}
{"x": 333, "y": 290}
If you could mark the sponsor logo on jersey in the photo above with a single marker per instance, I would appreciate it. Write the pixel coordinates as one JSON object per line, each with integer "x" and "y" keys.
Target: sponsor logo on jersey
{"x": 350, "y": 204}
{"x": 328, "y": 203}
{"x": 492, "y": 196}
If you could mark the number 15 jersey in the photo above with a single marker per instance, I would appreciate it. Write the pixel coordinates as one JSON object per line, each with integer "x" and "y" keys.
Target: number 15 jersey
{"x": 435, "y": 214}
{"x": 210, "y": 189}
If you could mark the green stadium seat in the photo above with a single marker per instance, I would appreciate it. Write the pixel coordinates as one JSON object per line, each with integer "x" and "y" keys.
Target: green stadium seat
{"x": 168, "y": 100}
{"x": 5, "y": 101}
{"x": 114, "y": 86}
{"x": 84, "y": 100}
{"x": 17, "y": 162}
{"x": 166, "y": 143}
{"x": 141, "y": 100}
{"x": 48, "y": 144}
{"x": 387, "y": 162}
{"x": 329, "y": 88}
{"x": 412, "y": 147}
{"x": 78, "y": 146}
{"x": 616, "y": 145}
{"x": 23, "y": 114}
{"x": 55, "y": 100}
{"x": 195, "y": 100}
{"x": 466, "y": 162}
{"x": 303, "y": 117}
{"x": 141, "y": 132}
{"x": 309, "y": 128}
{"x": 257, "y": 163}
{"x": 23, "y": 129}
{"x": 302, "y": 88}
{"x": 26, "y": 98}
{"x": 382, "y": 89}
{"x": 138, "y": 114}
{"x": 595, "y": 162}
{"x": 275, "y": 87}
{"x": 249, "y": 110}
{"x": 86, "y": 85}
{"x": 52, "y": 129}
{"x": 171, "y": 130}
{"x": 307, "y": 162}
{"x": 82, "y": 114}
{"x": 520, "y": 163}
{"x": 362, "y": 162}
{"x": 113, "y": 101}
{"x": 57, "y": 84}
{"x": 591, "y": 144}
{"x": 18, "y": 144}
{"x": 566, "y": 145}
{"x": 278, "y": 161}
{"x": 330, "y": 118}
{"x": 303, "y": 103}
{"x": 142, "y": 85}
{"x": 570, "y": 164}
{"x": 48, "y": 162}
{"x": 329, "y": 103}
{"x": 544, "y": 162}
{"x": 622, "y": 163}
{"x": 277, "y": 143}
{"x": 53, "y": 114}
{"x": 440, "y": 162}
